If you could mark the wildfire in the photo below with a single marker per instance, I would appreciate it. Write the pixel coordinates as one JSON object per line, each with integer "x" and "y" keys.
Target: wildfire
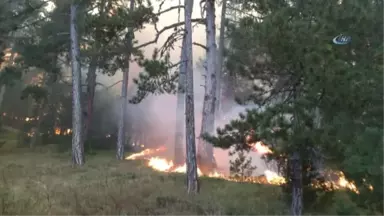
{"x": 62, "y": 131}
{"x": 260, "y": 147}
{"x": 165, "y": 165}
{"x": 274, "y": 178}
{"x": 343, "y": 182}
{"x": 270, "y": 177}
{"x": 144, "y": 153}
{"x": 57, "y": 131}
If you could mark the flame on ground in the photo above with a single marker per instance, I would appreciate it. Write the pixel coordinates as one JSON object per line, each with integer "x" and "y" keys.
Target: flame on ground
{"x": 144, "y": 153}
{"x": 270, "y": 177}
{"x": 164, "y": 165}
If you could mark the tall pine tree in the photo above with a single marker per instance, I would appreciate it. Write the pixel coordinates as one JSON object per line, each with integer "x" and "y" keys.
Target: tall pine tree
{"x": 319, "y": 100}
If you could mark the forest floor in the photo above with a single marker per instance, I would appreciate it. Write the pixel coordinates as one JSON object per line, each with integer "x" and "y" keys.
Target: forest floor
{"x": 42, "y": 182}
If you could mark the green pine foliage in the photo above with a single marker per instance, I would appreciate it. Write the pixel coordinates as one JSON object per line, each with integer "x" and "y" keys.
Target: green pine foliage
{"x": 288, "y": 48}
{"x": 157, "y": 77}
{"x": 241, "y": 167}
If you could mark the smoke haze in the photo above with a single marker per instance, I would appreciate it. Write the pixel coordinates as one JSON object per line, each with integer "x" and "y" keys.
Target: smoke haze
{"x": 156, "y": 114}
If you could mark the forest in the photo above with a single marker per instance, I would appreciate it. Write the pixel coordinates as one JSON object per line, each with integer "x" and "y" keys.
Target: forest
{"x": 160, "y": 107}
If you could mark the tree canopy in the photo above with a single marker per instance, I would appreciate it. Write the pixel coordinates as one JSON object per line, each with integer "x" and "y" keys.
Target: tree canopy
{"x": 316, "y": 97}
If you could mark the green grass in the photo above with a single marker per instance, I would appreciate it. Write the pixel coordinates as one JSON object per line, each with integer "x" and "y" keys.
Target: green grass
{"x": 8, "y": 139}
{"x": 37, "y": 183}
{"x": 43, "y": 182}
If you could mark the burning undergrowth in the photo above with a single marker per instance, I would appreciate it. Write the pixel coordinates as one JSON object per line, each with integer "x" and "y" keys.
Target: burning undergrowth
{"x": 336, "y": 179}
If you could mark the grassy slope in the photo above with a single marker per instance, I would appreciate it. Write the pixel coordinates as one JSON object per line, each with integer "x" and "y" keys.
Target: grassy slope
{"x": 36, "y": 183}
{"x": 46, "y": 183}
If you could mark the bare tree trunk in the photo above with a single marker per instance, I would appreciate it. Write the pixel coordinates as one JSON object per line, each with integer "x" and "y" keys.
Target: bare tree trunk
{"x": 77, "y": 126}
{"x": 121, "y": 137}
{"x": 208, "y": 118}
{"x": 297, "y": 184}
{"x": 192, "y": 178}
{"x": 36, "y": 130}
{"x": 2, "y": 92}
{"x": 180, "y": 110}
{"x": 91, "y": 86}
{"x": 220, "y": 57}
{"x": 91, "y": 75}
{"x": 40, "y": 108}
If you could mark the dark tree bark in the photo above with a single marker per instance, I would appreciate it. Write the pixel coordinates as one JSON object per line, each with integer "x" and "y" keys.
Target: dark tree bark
{"x": 91, "y": 87}
{"x": 36, "y": 128}
{"x": 296, "y": 184}
{"x": 91, "y": 75}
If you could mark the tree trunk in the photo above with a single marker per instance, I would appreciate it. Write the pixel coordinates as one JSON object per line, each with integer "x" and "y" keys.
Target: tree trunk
{"x": 207, "y": 161}
{"x": 36, "y": 130}
{"x": 220, "y": 57}
{"x": 121, "y": 137}
{"x": 297, "y": 184}
{"x": 40, "y": 109}
{"x": 192, "y": 179}
{"x": 180, "y": 110}
{"x": 91, "y": 86}
{"x": 317, "y": 154}
{"x": 77, "y": 126}
{"x": 91, "y": 75}
{"x": 2, "y": 92}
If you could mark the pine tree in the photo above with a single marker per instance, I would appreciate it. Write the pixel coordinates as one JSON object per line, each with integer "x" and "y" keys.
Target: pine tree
{"x": 192, "y": 178}
{"x": 220, "y": 60}
{"x": 77, "y": 126}
{"x": 180, "y": 109}
{"x": 121, "y": 137}
{"x": 241, "y": 167}
{"x": 205, "y": 150}
{"x": 286, "y": 53}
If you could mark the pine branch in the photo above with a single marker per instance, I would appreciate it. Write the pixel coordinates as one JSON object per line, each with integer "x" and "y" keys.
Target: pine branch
{"x": 170, "y": 9}
{"x": 200, "y": 45}
{"x": 159, "y": 32}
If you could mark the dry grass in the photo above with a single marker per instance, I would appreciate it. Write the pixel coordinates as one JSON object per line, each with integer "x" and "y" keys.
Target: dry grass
{"x": 46, "y": 183}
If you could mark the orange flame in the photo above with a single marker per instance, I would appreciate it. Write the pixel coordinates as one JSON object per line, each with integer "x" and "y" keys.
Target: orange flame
{"x": 270, "y": 177}
{"x": 165, "y": 165}
{"x": 144, "y": 153}
{"x": 260, "y": 148}
{"x": 57, "y": 131}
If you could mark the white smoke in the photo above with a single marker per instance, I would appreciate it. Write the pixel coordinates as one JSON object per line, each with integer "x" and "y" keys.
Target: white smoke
{"x": 157, "y": 113}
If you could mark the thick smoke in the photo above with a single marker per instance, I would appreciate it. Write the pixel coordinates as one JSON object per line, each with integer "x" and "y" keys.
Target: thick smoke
{"x": 156, "y": 115}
